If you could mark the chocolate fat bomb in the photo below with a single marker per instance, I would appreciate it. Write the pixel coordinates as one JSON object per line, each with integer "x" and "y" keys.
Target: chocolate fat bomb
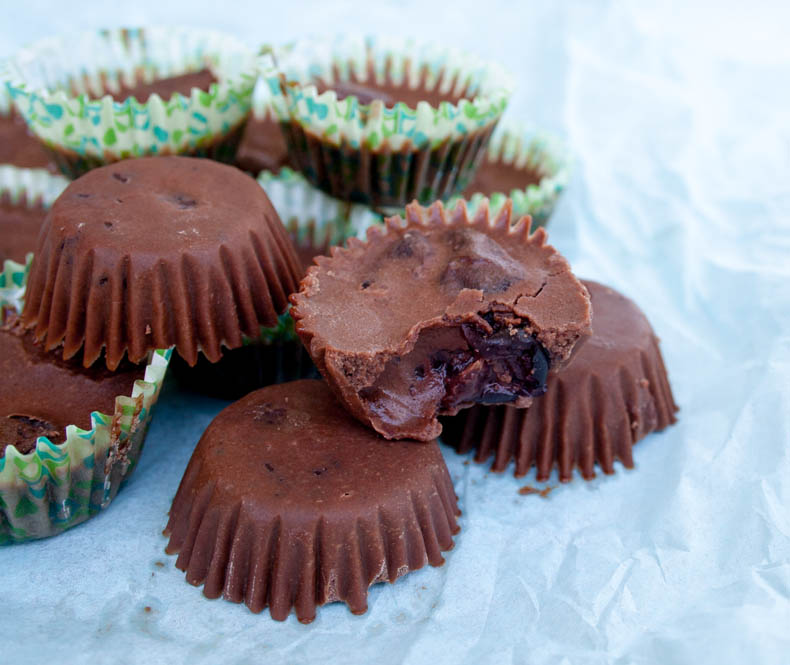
{"x": 288, "y": 502}
{"x": 437, "y": 313}
{"x": 154, "y": 252}
{"x": 40, "y": 393}
{"x": 613, "y": 393}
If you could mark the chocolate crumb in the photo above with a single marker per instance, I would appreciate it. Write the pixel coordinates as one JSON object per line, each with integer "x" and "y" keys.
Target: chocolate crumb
{"x": 528, "y": 489}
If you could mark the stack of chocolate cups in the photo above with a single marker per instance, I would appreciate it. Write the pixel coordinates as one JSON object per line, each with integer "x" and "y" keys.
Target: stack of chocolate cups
{"x": 424, "y": 320}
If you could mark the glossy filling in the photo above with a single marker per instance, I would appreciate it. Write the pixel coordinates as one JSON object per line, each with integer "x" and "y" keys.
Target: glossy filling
{"x": 491, "y": 361}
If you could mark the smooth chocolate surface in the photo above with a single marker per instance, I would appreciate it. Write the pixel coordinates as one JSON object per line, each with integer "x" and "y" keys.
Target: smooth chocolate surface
{"x": 19, "y": 147}
{"x": 613, "y": 393}
{"x": 166, "y": 87}
{"x": 154, "y": 252}
{"x": 20, "y": 224}
{"x": 288, "y": 502}
{"x": 262, "y": 147}
{"x": 438, "y": 313}
{"x": 498, "y": 176}
{"x": 40, "y": 393}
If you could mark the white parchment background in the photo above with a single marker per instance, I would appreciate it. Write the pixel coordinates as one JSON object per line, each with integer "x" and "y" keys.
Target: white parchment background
{"x": 680, "y": 120}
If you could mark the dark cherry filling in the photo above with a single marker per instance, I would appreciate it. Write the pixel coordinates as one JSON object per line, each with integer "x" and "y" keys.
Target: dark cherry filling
{"x": 497, "y": 369}
{"x": 492, "y": 361}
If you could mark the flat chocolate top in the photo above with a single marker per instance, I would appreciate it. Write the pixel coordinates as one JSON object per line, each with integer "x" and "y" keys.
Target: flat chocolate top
{"x": 40, "y": 393}
{"x": 291, "y": 447}
{"x": 19, "y": 228}
{"x": 497, "y": 176}
{"x": 262, "y": 147}
{"x": 439, "y": 268}
{"x": 389, "y": 92}
{"x": 167, "y": 87}
{"x": 18, "y": 147}
{"x": 157, "y": 205}
{"x": 438, "y": 314}
{"x": 167, "y": 251}
{"x": 619, "y": 328}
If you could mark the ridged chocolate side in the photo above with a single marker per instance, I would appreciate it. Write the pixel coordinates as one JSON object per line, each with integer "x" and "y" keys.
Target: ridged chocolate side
{"x": 614, "y": 393}
{"x": 288, "y": 551}
{"x": 196, "y": 284}
{"x": 284, "y": 564}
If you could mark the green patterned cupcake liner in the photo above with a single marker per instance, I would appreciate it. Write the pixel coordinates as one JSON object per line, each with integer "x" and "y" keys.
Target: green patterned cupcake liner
{"x": 60, "y": 86}
{"x": 368, "y": 153}
{"x": 57, "y": 486}
{"x": 533, "y": 151}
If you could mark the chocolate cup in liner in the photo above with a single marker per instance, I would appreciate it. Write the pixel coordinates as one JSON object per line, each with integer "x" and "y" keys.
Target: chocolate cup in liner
{"x": 315, "y": 222}
{"x": 613, "y": 393}
{"x": 57, "y": 486}
{"x": 18, "y": 147}
{"x": 369, "y": 153}
{"x": 540, "y": 159}
{"x": 375, "y": 315}
{"x": 289, "y": 503}
{"x": 96, "y": 283}
{"x": 263, "y": 146}
{"x": 61, "y": 87}
{"x": 33, "y": 190}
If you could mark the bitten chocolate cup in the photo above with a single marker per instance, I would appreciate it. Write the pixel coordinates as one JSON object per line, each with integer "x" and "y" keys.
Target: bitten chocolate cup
{"x": 438, "y": 312}
{"x": 289, "y": 503}
{"x": 159, "y": 252}
{"x": 613, "y": 393}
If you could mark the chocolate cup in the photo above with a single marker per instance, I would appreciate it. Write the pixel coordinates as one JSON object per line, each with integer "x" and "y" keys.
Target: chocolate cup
{"x": 384, "y": 320}
{"x": 384, "y": 178}
{"x": 613, "y": 393}
{"x": 288, "y": 503}
{"x": 159, "y": 252}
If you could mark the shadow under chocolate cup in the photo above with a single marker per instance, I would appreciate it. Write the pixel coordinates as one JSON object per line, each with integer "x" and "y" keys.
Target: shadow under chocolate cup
{"x": 384, "y": 121}
{"x": 70, "y": 437}
{"x": 527, "y": 166}
{"x": 289, "y": 503}
{"x": 614, "y": 392}
{"x": 108, "y": 95}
